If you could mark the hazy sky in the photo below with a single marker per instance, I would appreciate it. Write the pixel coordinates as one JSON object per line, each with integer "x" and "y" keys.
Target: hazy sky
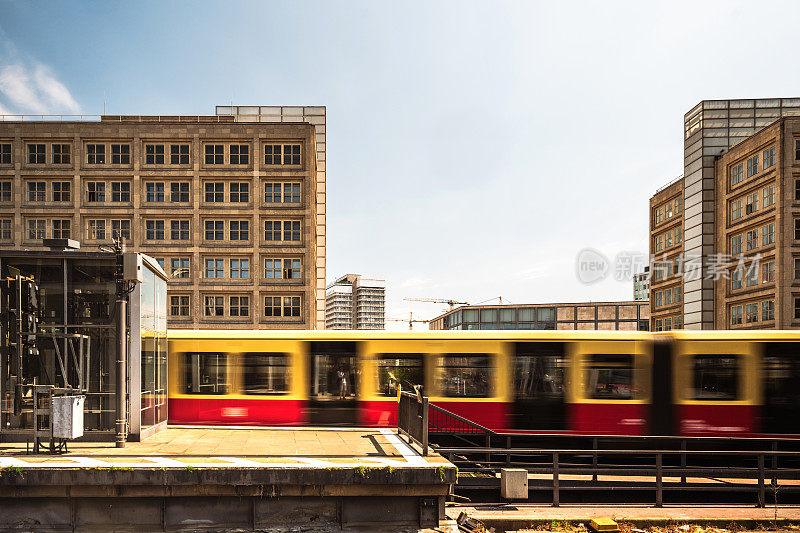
{"x": 474, "y": 148}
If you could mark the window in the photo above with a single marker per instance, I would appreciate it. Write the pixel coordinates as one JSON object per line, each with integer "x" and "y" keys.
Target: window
{"x": 179, "y": 192}
{"x": 206, "y": 373}
{"x": 5, "y": 153}
{"x": 61, "y": 191}
{"x": 239, "y": 306}
{"x": 240, "y": 192}
{"x": 96, "y": 230}
{"x": 240, "y": 268}
{"x": 179, "y": 306}
{"x": 96, "y": 154}
{"x": 668, "y": 239}
{"x": 752, "y": 204}
{"x": 678, "y": 291}
{"x": 5, "y": 191}
{"x": 179, "y": 154}
{"x": 736, "y": 280}
{"x": 179, "y": 267}
{"x": 281, "y": 193}
{"x": 36, "y": 228}
{"x": 120, "y": 191}
{"x": 752, "y": 239}
{"x": 36, "y": 154}
{"x": 752, "y": 166}
{"x": 62, "y": 154}
{"x": 282, "y": 154}
{"x": 265, "y": 373}
{"x": 215, "y": 191}
{"x": 797, "y": 229}
{"x": 768, "y": 310}
{"x": 736, "y": 315}
{"x": 668, "y": 297}
{"x": 153, "y": 154}
{"x": 737, "y": 174}
{"x": 6, "y": 228}
{"x": 215, "y": 230}
{"x": 403, "y": 370}
{"x": 179, "y": 230}
{"x": 154, "y": 191}
{"x": 609, "y": 377}
{"x": 282, "y": 230}
{"x": 768, "y": 195}
{"x": 751, "y": 312}
{"x": 797, "y": 150}
{"x": 154, "y": 230}
{"x": 658, "y": 325}
{"x": 96, "y": 191}
{"x": 736, "y": 245}
{"x": 736, "y": 210}
{"x": 240, "y": 154}
{"x": 797, "y": 308}
{"x": 659, "y": 215}
{"x": 121, "y": 229}
{"x": 768, "y": 157}
{"x": 61, "y": 228}
{"x": 120, "y": 154}
{"x": 282, "y": 268}
{"x": 286, "y": 306}
{"x": 752, "y": 275}
{"x": 768, "y": 272}
{"x": 797, "y": 189}
{"x": 465, "y": 375}
{"x": 796, "y": 268}
{"x": 658, "y": 299}
{"x": 215, "y": 306}
{"x": 716, "y": 377}
{"x": 678, "y": 201}
{"x": 214, "y": 154}
{"x": 240, "y": 230}
{"x": 768, "y": 234}
{"x": 215, "y": 268}
{"x": 36, "y": 191}
{"x": 678, "y": 235}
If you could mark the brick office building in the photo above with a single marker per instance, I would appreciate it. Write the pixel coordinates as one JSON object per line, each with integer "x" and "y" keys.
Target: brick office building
{"x": 232, "y": 205}
{"x": 666, "y": 249}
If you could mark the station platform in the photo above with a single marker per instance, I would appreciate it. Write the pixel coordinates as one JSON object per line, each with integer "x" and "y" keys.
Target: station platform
{"x": 227, "y": 477}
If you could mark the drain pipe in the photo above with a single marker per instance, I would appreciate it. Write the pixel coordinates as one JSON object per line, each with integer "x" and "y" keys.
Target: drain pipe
{"x": 122, "y": 348}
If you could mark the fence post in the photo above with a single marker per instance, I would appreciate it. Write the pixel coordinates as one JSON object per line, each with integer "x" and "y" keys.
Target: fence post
{"x": 508, "y": 448}
{"x": 659, "y": 478}
{"x": 761, "y": 480}
{"x": 556, "y": 498}
{"x": 683, "y": 461}
{"x": 594, "y": 459}
{"x": 424, "y": 426}
{"x": 774, "y": 464}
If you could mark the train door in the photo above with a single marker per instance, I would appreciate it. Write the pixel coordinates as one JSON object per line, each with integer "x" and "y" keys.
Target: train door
{"x": 781, "y": 371}
{"x": 662, "y": 416}
{"x": 539, "y": 372}
{"x": 332, "y": 387}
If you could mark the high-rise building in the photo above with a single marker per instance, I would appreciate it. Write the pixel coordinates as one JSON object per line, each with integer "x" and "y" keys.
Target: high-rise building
{"x": 356, "y": 302}
{"x": 641, "y": 285}
{"x": 666, "y": 249}
{"x": 231, "y": 205}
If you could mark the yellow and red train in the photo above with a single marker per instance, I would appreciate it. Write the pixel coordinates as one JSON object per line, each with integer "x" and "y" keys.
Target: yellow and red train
{"x": 587, "y": 382}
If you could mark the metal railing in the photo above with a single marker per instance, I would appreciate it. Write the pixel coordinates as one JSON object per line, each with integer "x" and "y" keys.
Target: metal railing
{"x": 412, "y": 418}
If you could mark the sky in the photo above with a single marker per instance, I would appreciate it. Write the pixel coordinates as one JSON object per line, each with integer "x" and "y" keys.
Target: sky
{"x": 474, "y": 149}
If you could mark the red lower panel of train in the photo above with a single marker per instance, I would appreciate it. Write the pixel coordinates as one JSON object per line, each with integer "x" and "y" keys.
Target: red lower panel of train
{"x": 493, "y": 415}
{"x": 236, "y": 411}
{"x": 614, "y": 419}
{"x": 717, "y": 420}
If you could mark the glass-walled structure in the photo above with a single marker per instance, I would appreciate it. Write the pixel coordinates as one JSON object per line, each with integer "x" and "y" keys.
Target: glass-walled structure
{"x": 77, "y": 295}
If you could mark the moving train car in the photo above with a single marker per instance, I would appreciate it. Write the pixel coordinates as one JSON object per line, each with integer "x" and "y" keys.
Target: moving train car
{"x": 587, "y": 382}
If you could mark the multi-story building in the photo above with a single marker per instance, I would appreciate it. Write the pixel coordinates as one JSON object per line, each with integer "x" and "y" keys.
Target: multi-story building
{"x": 628, "y": 316}
{"x": 641, "y": 285}
{"x": 666, "y": 249}
{"x": 356, "y": 302}
{"x": 232, "y": 205}
{"x": 758, "y": 230}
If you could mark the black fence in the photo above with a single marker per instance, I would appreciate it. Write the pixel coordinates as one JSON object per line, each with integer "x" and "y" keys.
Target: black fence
{"x": 412, "y": 418}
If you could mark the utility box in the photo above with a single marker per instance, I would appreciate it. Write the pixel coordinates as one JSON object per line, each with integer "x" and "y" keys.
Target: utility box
{"x": 68, "y": 417}
{"x": 514, "y": 483}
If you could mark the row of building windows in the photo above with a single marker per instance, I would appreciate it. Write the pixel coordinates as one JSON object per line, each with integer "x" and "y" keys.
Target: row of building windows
{"x": 665, "y": 268}
{"x": 668, "y": 323}
{"x": 741, "y": 277}
{"x": 753, "y": 168}
{"x": 749, "y": 313}
{"x": 275, "y": 268}
{"x": 668, "y": 210}
{"x": 668, "y": 239}
{"x": 155, "y": 192}
{"x": 235, "y": 306}
{"x": 749, "y": 241}
{"x": 60, "y": 153}
{"x": 748, "y": 205}
{"x": 284, "y": 231}
{"x": 668, "y": 296}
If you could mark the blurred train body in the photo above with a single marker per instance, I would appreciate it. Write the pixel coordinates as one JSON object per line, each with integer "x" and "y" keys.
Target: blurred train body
{"x": 720, "y": 383}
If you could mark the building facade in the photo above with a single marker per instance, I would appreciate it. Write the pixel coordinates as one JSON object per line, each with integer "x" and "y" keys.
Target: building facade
{"x": 232, "y": 206}
{"x": 356, "y": 302}
{"x": 667, "y": 253}
{"x": 641, "y": 285}
{"x": 624, "y": 316}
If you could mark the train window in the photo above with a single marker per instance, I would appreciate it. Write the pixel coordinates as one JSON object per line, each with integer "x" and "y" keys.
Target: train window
{"x": 539, "y": 376}
{"x": 716, "y": 377}
{"x": 402, "y": 368}
{"x": 465, "y": 375}
{"x": 266, "y": 373}
{"x": 206, "y": 373}
{"x": 610, "y": 377}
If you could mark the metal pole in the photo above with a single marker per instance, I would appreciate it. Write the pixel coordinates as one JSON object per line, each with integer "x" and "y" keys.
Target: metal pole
{"x": 556, "y": 495}
{"x": 659, "y": 481}
{"x": 122, "y": 348}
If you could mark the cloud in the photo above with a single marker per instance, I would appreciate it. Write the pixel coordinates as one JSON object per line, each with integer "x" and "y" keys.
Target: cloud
{"x": 55, "y": 91}
{"x": 16, "y": 85}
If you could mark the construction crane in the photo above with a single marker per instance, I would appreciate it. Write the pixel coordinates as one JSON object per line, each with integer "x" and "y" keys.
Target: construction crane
{"x": 451, "y": 303}
{"x": 410, "y": 320}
